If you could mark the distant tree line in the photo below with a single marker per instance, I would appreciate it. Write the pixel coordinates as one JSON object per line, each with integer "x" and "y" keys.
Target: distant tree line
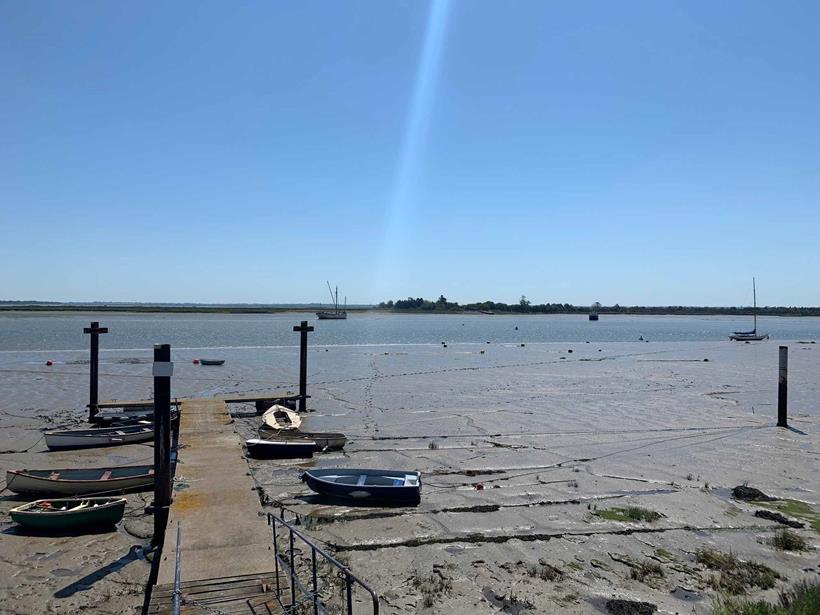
{"x": 524, "y": 306}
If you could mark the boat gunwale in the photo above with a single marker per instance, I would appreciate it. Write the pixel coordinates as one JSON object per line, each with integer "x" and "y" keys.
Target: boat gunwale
{"x": 25, "y": 509}
{"x": 83, "y": 480}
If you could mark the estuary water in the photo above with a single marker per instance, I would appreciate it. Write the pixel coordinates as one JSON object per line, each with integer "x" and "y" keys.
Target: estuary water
{"x": 64, "y": 332}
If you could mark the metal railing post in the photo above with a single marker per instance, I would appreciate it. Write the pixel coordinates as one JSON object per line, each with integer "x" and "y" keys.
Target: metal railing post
{"x": 177, "y": 579}
{"x": 349, "y": 584}
{"x": 315, "y": 581}
{"x": 292, "y": 573}
{"x": 272, "y": 521}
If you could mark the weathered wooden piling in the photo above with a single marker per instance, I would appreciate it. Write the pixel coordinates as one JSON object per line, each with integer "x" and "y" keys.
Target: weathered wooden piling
{"x": 782, "y": 388}
{"x": 94, "y": 366}
{"x": 163, "y": 370}
{"x": 303, "y": 330}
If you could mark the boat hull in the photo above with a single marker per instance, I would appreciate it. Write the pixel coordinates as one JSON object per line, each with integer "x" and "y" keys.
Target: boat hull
{"x": 89, "y": 438}
{"x": 357, "y": 490}
{"x": 100, "y": 513}
{"x": 748, "y": 338}
{"x": 212, "y": 361}
{"x": 280, "y": 417}
{"x": 284, "y": 449}
{"x": 328, "y": 441}
{"x": 331, "y": 315}
{"x": 77, "y": 482}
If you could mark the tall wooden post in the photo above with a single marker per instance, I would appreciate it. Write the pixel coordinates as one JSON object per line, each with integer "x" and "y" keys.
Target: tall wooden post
{"x": 782, "y": 387}
{"x": 94, "y": 331}
{"x": 303, "y": 330}
{"x": 163, "y": 370}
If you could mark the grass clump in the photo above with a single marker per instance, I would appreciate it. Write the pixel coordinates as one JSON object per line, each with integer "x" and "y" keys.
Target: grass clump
{"x": 802, "y": 599}
{"x": 431, "y": 587}
{"x": 735, "y": 577}
{"x": 632, "y": 514}
{"x": 642, "y": 571}
{"x": 786, "y": 540}
{"x": 545, "y": 572}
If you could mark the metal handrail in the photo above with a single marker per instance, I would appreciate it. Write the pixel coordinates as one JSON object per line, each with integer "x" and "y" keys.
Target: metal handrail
{"x": 288, "y": 563}
{"x": 177, "y": 591}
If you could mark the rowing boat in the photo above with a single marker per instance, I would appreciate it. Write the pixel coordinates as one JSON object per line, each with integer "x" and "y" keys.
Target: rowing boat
{"x": 391, "y": 487}
{"x": 64, "y": 514}
{"x": 279, "y": 417}
{"x": 76, "y": 481}
{"x": 325, "y": 441}
{"x": 280, "y": 449}
{"x": 101, "y": 436}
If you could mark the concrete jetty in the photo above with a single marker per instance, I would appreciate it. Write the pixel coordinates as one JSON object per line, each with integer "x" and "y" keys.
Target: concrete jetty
{"x": 226, "y": 554}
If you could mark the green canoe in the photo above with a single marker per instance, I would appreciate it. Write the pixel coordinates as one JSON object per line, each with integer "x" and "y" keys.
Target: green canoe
{"x": 70, "y": 513}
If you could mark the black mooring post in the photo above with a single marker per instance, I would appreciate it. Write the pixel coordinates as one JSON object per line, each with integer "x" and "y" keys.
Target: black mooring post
{"x": 94, "y": 331}
{"x": 782, "y": 387}
{"x": 303, "y": 329}
{"x": 163, "y": 370}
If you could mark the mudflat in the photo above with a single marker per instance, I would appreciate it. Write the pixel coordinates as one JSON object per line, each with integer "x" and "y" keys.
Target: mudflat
{"x": 534, "y": 461}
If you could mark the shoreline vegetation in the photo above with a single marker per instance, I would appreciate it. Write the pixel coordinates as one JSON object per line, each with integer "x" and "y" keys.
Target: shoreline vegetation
{"x": 409, "y": 306}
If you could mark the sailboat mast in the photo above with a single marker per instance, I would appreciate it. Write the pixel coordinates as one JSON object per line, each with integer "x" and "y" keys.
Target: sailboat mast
{"x": 754, "y": 299}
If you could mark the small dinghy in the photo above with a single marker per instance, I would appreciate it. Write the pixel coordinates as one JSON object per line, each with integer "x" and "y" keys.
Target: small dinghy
{"x": 119, "y": 418}
{"x": 280, "y": 449}
{"x": 102, "y": 436}
{"x": 279, "y": 417}
{"x": 212, "y": 361}
{"x": 396, "y": 487}
{"x": 325, "y": 441}
{"x": 76, "y": 482}
{"x": 66, "y": 514}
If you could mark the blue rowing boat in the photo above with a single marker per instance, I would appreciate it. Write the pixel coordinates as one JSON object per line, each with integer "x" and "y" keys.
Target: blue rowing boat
{"x": 390, "y": 487}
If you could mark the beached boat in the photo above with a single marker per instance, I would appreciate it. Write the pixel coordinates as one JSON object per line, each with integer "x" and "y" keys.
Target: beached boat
{"x": 66, "y": 514}
{"x": 101, "y": 436}
{"x": 325, "y": 441}
{"x": 279, "y": 417}
{"x": 397, "y": 487}
{"x": 117, "y": 418}
{"x": 280, "y": 449}
{"x": 336, "y": 314}
{"x": 212, "y": 361}
{"x": 77, "y": 482}
{"x": 753, "y": 335}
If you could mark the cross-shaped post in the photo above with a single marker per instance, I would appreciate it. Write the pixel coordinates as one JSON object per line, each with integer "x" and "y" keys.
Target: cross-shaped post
{"x": 94, "y": 331}
{"x": 303, "y": 330}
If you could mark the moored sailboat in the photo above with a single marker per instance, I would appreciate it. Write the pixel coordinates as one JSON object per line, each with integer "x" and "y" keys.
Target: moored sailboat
{"x": 753, "y": 335}
{"x": 336, "y": 314}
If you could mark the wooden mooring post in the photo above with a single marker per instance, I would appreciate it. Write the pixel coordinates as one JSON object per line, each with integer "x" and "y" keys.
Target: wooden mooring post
{"x": 94, "y": 367}
{"x": 163, "y": 370}
{"x": 782, "y": 388}
{"x": 303, "y": 330}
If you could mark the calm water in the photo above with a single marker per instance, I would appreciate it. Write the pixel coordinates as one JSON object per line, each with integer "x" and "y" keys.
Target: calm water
{"x": 138, "y": 331}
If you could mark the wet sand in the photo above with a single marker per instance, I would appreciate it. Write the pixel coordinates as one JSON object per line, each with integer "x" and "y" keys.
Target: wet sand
{"x": 519, "y": 448}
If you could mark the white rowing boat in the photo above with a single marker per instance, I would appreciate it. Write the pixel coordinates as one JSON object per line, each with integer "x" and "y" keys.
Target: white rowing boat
{"x": 279, "y": 417}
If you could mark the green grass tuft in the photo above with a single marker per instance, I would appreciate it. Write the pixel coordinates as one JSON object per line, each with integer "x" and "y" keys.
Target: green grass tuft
{"x": 802, "y": 599}
{"x": 786, "y": 540}
{"x": 735, "y": 576}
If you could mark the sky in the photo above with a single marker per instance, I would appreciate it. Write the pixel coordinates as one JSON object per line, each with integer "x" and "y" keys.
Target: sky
{"x": 641, "y": 153}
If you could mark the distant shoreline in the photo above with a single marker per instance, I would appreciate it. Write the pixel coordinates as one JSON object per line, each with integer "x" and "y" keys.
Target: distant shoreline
{"x": 254, "y": 309}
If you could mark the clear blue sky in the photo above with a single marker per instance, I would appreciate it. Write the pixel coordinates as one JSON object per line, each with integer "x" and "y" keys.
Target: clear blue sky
{"x": 632, "y": 152}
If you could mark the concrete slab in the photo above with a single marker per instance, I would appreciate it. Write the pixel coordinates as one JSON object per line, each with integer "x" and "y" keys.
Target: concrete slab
{"x": 214, "y": 501}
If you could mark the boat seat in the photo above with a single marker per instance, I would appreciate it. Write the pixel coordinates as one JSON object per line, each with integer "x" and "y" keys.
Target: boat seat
{"x": 362, "y": 479}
